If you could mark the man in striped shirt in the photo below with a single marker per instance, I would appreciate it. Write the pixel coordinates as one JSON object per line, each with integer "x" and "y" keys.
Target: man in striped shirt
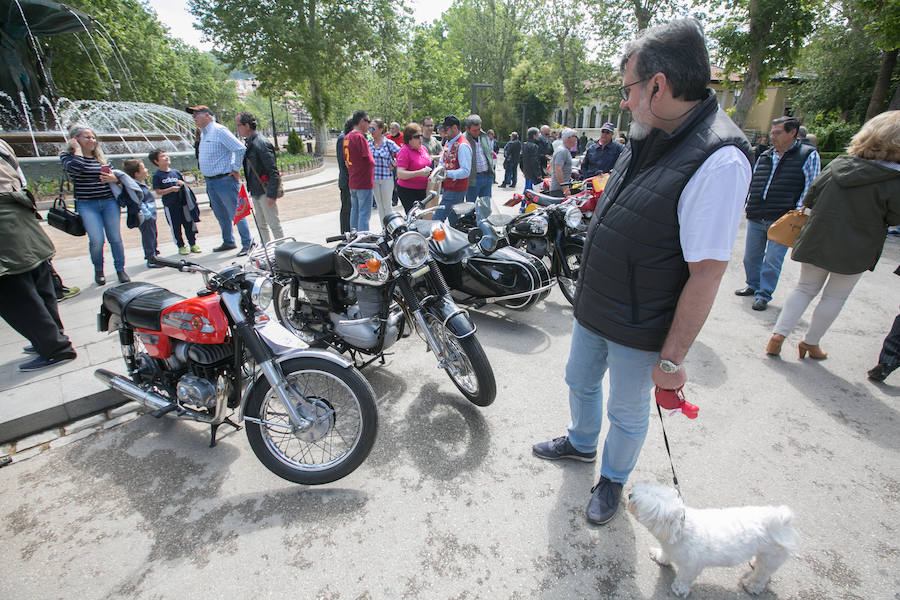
{"x": 220, "y": 156}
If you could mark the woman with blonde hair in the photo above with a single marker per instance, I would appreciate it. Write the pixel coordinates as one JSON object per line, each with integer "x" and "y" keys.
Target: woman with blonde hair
{"x": 852, "y": 202}
{"x": 86, "y": 166}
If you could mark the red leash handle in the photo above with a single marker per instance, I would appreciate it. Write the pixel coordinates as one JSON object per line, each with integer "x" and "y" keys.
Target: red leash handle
{"x": 674, "y": 400}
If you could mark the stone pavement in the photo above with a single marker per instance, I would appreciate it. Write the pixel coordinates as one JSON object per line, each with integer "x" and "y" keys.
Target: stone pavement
{"x": 39, "y": 400}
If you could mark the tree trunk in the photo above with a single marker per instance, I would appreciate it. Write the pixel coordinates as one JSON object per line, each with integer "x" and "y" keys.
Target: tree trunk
{"x": 642, "y": 15}
{"x": 895, "y": 101}
{"x": 882, "y": 84}
{"x": 317, "y": 112}
{"x": 752, "y": 78}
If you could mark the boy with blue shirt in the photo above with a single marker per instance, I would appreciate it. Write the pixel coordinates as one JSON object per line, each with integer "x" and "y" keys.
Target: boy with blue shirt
{"x": 169, "y": 184}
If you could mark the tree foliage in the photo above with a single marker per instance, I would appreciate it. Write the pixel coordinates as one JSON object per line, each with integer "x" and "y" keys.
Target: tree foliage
{"x": 130, "y": 46}
{"x": 310, "y": 46}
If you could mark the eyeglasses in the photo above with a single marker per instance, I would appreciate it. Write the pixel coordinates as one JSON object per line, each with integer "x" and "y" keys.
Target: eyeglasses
{"x": 625, "y": 92}
{"x": 418, "y": 136}
{"x": 372, "y": 128}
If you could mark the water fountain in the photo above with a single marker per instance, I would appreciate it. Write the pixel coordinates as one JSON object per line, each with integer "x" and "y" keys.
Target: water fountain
{"x": 34, "y": 119}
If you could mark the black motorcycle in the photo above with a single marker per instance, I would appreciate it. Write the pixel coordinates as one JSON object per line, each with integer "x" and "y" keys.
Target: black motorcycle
{"x": 363, "y": 295}
{"x": 553, "y": 232}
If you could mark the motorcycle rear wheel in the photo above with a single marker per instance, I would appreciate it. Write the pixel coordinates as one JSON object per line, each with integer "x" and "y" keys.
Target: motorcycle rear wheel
{"x": 345, "y": 429}
{"x": 468, "y": 366}
{"x": 571, "y": 256}
{"x": 282, "y": 302}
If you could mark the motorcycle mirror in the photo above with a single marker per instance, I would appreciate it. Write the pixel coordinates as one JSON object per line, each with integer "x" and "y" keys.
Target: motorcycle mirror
{"x": 475, "y": 236}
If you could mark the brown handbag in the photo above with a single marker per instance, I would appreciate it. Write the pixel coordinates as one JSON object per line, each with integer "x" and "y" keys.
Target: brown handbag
{"x": 786, "y": 229}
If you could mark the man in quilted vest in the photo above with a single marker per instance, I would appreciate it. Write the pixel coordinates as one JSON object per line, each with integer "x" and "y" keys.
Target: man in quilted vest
{"x": 781, "y": 177}
{"x": 656, "y": 250}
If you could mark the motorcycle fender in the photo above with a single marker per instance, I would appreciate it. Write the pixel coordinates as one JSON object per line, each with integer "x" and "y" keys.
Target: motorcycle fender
{"x": 457, "y": 319}
{"x": 337, "y": 359}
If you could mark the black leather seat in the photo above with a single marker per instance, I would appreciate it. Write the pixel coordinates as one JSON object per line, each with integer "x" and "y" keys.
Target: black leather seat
{"x": 454, "y": 247}
{"x": 141, "y": 302}
{"x": 305, "y": 259}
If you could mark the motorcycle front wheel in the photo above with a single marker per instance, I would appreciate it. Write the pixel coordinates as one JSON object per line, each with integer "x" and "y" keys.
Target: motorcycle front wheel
{"x": 345, "y": 420}
{"x": 572, "y": 257}
{"x": 287, "y": 316}
{"x": 466, "y": 363}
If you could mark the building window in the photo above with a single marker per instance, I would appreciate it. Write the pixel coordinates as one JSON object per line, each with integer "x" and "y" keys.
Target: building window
{"x": 788, "y": 108}
{"x": 593, "y": 121}
{"x": 580, "y": 119}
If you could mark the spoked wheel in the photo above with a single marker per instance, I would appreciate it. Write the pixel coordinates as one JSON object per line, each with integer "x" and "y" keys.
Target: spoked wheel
{"x": 572, "y": 257}
{"x": 340, "y": 404}
{"x": 288, "y": 314}
{"x": 466, "y": 363}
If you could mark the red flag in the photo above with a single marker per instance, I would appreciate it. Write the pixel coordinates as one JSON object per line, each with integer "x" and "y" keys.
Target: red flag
{"x": 243, "y": 207}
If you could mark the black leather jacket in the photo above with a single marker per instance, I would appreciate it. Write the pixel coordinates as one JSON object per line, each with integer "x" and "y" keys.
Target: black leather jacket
{"x": 261, "y": 155}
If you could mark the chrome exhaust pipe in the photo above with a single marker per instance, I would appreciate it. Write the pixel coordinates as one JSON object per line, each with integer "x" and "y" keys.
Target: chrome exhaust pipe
{"x": 131, "y": 390}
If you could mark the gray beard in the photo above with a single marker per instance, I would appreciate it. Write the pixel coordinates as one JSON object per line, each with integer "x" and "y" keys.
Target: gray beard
{"x": 638, "y": 130}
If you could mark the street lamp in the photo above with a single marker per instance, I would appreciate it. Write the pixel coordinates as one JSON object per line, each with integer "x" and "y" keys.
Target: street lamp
{"x": 475, "y": 87}
{"x": 523, "y": 105}
{"x": 274, "y": 125}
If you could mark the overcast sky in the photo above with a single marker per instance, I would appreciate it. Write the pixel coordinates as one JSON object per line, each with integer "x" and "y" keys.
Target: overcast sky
{"x": 174, "y": 14}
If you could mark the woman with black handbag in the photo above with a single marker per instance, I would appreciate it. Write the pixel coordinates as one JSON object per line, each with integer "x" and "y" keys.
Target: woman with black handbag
{"x": 94, "y": 201}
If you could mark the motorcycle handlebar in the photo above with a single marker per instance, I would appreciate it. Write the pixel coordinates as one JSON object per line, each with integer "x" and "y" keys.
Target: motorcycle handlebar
{"x": 165, "y": 262}
{"x": 335, "y": 238}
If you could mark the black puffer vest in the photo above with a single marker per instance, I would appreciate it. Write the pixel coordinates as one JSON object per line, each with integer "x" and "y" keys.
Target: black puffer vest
{"x": 786, "y": 187}
{"x": 633, "y": 269}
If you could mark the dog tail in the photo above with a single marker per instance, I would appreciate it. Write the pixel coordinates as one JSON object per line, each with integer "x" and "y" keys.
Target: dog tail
{"x": 779, "y": 527}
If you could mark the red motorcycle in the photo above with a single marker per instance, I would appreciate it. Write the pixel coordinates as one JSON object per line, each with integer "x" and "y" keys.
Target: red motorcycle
{"x": 310, "y": 415}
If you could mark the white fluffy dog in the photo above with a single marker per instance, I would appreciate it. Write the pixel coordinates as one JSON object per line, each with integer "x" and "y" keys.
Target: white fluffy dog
{"x": 693, "y": 539}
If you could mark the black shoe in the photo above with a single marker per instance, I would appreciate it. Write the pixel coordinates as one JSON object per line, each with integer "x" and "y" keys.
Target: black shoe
{"x": 244, "y": 251}
{"x": 880, "y": 372}
{"x": 746, "y": 291}
{"x": 39, "y": 362}
{"x": 29, "y": 349}
{"x": 502, "y": 185}
{"x": 604, "y": 502}
{"x": 99, "y": 278}
{"x": 560, "y": 447}
{"x": 760, "y": 304}
{"x": 224, "y": 247}
{"x": 123, "y": 276}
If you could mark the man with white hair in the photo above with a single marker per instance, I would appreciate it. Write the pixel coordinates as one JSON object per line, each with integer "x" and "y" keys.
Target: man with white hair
{"x": 561, "y": 164}
{"x": 481, "y": 170}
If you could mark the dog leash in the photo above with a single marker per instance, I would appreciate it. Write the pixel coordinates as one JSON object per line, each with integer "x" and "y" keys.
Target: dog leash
{"x": 665, "y": 437}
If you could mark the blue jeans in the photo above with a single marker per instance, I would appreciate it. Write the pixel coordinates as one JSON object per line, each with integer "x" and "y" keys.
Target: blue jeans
{"x": 628, "y": 408}
{"x": 448, "y": 199}
{"x": 511, "y": 175}
{"x": 762, "y": 259}
{"x": 101, "y": 216}
{"x": 529, "y": 184}
{"x": 223, "y": 193}
{"x": 360, "y": 208}
{"x": 481, "y": 188}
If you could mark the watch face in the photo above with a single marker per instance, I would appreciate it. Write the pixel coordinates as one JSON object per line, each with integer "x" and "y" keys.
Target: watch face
{"x": 667, "y": 366}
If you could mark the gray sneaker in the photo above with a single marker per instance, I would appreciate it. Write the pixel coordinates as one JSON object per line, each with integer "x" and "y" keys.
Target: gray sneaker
{"x": 559, "y": 448}
{"x": 604, "y": 502}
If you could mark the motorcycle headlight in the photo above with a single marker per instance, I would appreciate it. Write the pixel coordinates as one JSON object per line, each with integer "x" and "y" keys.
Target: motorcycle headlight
{"x": 261, "y": 294}
{"x": 538, "y": 224}
{"x": 573, "y": 217}
{"x": 411, "y": 250}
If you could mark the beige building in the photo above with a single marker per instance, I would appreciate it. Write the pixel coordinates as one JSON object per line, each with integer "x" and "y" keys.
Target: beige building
{"x": 777, "y": 102}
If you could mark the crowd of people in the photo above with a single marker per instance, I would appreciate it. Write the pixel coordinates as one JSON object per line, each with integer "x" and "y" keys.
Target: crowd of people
{"x": 652, "y": 264}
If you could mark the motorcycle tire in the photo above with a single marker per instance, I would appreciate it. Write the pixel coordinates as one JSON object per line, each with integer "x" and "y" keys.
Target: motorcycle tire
{"x": 339, "y": 441}
{"x": 281, "y": 295}
{"x": 572, "y": 256}
{"x": 469, "y": 369}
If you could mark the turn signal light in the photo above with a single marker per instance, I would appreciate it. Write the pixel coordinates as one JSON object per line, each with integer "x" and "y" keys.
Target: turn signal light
{"x": 373, "y": 264}
{"x": 439, "y": 235}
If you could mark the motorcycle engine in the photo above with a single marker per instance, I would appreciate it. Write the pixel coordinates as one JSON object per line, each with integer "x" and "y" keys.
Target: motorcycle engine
{"x": 537, "y": 246}
{"x": 205, "y": 384}
{"x": 361, "y": 324}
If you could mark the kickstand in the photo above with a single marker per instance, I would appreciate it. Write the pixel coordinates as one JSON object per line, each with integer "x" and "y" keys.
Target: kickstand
{"x": 215, "y": 427}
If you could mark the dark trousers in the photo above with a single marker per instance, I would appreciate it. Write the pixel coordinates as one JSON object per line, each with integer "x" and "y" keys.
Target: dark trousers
{"x": 148, "y": 238}
{"x": 409, "y": 196}
{"x": 511, "y": 174}
{"x": 28, "y": 304}
{"x": 345, "y": 209}
{"x": 178, "y": 222}
{"x": 890, "y": 350}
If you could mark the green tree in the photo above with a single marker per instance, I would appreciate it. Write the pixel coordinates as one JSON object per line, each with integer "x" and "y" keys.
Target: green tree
{"x": 884, "y": 28}
{"x": 534, "y": 85}
{"x": 757, "y": 39}
{"x": 310, "y": 46}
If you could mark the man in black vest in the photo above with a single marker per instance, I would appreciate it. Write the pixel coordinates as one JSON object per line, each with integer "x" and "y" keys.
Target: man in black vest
{"x": 781, "y": 177}
{"x": 657, "y": 247}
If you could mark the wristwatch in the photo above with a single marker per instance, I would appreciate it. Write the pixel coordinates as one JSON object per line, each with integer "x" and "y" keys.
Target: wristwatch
{"x": 667, "y": 366}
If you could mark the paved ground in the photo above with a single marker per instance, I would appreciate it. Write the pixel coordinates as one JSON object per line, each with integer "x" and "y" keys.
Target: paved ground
{"x": 451, "y": 503}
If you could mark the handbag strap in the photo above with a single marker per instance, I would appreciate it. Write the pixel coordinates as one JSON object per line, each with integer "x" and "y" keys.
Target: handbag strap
{"x": 264, "y": 184}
